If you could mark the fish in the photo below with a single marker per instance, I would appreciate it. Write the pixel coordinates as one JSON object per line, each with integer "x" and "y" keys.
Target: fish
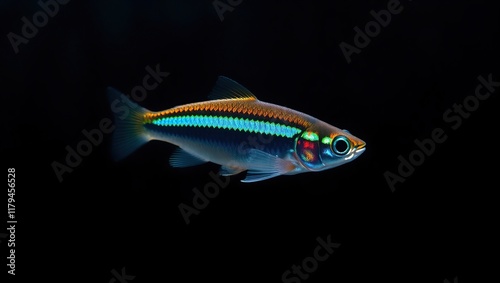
{"x": 235, "y": 130}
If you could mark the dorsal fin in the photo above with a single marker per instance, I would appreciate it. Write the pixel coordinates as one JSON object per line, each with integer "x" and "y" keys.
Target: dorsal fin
{"x": 225, "y": 88}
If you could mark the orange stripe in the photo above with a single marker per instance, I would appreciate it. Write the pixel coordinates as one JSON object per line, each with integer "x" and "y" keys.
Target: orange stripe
{"x": 246, "y": 106}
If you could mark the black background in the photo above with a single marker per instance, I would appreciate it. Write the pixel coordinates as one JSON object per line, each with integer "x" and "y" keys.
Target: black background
{"x": 106, "y": 216}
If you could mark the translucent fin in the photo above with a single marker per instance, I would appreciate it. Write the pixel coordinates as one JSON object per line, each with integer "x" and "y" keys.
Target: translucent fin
{"x": 182, "y": 158}
{"x": 255, "y": 176}
{"x": 225, "y": 88}
{"x": 265, "y": 166}
{"x": 228, "y": 171}
{"x": 130, "y": 133}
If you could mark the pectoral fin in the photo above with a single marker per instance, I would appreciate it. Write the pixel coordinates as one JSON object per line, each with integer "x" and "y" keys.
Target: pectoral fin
{"x": 263, "y": 165}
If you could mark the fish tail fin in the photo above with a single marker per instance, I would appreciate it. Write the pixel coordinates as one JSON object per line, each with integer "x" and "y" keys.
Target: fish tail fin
{"x": 129, "y": 133}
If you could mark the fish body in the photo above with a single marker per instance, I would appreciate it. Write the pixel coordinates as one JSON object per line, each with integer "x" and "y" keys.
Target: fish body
{"x": 237, "y": 131}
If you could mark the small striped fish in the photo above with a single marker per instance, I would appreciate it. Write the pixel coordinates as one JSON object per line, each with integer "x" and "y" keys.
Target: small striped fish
{"x": 224, "y": 131}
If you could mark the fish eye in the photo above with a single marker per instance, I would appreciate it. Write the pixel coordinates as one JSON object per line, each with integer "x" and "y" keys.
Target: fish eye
{"x": 341, "y": 145}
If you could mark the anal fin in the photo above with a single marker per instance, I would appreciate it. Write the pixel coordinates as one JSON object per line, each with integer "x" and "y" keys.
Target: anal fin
{"x": 182, "y": 158}
{"x": 228, "y": 171}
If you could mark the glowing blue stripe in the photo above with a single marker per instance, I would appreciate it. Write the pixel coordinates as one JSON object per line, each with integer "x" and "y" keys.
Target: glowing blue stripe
{"x": 229, "y": 123}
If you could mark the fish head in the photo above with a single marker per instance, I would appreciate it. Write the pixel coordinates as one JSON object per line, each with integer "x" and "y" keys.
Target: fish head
{"x": 323, "y": 146}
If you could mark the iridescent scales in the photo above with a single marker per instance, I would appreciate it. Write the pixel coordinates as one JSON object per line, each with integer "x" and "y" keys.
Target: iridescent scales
{"x": 223, "y": 131}
{"x": 228, "y": 123}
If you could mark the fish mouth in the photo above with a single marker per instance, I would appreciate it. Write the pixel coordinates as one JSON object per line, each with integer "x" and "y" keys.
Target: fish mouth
{"x": 360, "y": 150}
{"x": 360, "y": 147}
{"x": 356, "y": 152}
